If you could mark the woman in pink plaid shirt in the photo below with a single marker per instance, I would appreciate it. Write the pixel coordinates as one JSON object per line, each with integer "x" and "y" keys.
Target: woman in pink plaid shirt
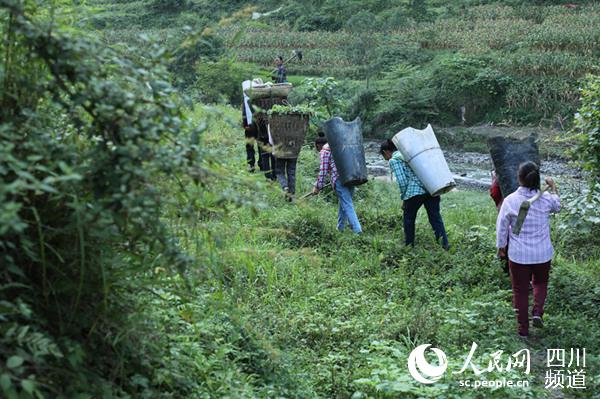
{"x": 530, "y": 252}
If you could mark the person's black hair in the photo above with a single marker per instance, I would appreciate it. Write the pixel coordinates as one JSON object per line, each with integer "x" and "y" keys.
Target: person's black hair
{"x": 321, "y": 140}
{"x": 387, "y": 145}
{"x": 529, "y": 175}
{"x": 280, "y": 57}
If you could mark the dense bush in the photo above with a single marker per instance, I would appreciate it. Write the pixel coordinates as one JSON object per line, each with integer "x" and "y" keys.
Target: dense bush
{"x": 587, "y": 125}
{"x": 364, "y": 105}
{"x": 533, "y": 99}
{"x": 584, "y": 209}
{"x": 221, "y": 81}
{"x": 80, "y": 202}
{"x": 95, "y": 287}
{"x": 405, "y": 97}
{"x": 202, "y": 47}
{"x": 467, "y": 81}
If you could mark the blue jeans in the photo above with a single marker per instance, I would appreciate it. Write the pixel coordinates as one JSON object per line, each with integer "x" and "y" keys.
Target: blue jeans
{"x": 432, "y": 206}
{"x": 346, "y": 208}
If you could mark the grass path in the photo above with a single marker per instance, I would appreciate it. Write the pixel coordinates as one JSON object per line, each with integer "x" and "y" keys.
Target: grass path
{"x": 344, "y": 311}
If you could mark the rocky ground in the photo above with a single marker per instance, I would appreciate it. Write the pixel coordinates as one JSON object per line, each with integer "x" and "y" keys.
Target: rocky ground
{"x": 472, "y": 169}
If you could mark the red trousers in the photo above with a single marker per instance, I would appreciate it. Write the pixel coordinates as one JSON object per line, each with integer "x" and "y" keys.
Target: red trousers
{"x": 520, "y": 276}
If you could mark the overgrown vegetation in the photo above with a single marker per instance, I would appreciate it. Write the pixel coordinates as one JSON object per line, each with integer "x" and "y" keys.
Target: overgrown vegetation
{"x": 99, "y": 295}
{"x": 513, "y": 62}
{"x": 139, "y": 260}
{"x": 583, "y": 208}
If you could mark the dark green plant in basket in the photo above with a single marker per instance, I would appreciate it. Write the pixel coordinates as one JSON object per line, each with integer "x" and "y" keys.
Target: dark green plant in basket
{"x": 291, "y": 109}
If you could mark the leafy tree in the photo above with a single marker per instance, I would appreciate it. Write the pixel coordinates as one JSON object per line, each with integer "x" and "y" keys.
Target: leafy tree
{"x": 408, "y": 98}
{"x": 418, "y": 10}
{"x": 87, "y": 140}
{"x": 202, "y": 47}
{"x": 587, "y": 126}
{"x": 220, "y": 81}
{"x": 363, "y": 21}
{"x": 323, "y": 97}
{"x": 583, "y": 210}
{"x": 464, "y": 80}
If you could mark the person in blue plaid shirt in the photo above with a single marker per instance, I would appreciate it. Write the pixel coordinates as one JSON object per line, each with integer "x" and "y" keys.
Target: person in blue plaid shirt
{"x": 414, "y": 196}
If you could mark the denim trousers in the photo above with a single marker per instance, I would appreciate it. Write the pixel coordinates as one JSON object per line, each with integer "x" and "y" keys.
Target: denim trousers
{"x": 285, "y": 171}
{"x": 432, "y": 206}
{"x": 346, "y": 211}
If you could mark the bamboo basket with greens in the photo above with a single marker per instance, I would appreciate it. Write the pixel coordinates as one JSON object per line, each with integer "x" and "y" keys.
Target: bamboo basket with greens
{"x": 288, "y": 126}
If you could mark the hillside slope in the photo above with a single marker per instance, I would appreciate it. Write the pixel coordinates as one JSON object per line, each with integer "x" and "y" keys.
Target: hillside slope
{"x": 499, "y": 62}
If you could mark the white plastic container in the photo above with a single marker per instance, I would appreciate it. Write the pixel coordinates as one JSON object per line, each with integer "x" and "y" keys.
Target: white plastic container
{"x": 422, "y": 151}
{"x": 247, "y": 84}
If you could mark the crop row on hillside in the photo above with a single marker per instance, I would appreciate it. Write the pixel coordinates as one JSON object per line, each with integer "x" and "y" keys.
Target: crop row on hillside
{"x": 257, "y": 38}
{"x": 555, "y": 30}
{"x": 520, "y": 63}
{"x": 311, "y": 57}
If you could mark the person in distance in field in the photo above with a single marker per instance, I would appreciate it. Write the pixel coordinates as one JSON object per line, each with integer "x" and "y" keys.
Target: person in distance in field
{"x": 251, "y": 136}
{"x": 281, "y": 73}
{"x": 414, "y": 196}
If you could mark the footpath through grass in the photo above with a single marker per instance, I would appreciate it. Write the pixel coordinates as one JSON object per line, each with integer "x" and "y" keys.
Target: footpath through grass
{"x": 343, "y": 312}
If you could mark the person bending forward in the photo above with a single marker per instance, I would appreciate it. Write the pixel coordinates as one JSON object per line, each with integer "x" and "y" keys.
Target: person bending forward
{"x": 414, "y": 196}
{"x": 346, "y": 211}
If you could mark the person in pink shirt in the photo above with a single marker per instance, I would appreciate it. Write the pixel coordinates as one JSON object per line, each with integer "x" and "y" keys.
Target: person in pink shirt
{"x": 530, "y": 253}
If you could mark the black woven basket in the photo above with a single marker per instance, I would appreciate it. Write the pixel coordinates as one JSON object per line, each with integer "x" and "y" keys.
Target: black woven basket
{"x": 507, "y": 154}
{"x": 288, "y": 132}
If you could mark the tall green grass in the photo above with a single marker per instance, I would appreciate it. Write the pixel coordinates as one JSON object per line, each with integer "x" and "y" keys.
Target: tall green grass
{"x": 343, "y": 311}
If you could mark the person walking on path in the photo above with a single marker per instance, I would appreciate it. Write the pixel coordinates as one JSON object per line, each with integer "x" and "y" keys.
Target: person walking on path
{"x": 530, "y": 253}
{"x": 346, "y": 213}
{"x": 255, "y": 131}
{"x": 413, "y": 195}
{"x": 285, "y": 171}
{"x": 251, "y": 136}
{"x": 266, "y": 160}
{"x": 250, "y": 128}
{"x": 284, "y": 168}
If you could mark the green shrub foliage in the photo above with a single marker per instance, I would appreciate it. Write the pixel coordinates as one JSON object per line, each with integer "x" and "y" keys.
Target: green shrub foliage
{"x": 587, "y": 123}
{"x": 88, "y": 139}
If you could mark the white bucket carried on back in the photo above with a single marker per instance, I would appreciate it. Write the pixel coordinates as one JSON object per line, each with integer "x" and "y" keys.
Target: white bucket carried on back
{"x": 422, "y": 151}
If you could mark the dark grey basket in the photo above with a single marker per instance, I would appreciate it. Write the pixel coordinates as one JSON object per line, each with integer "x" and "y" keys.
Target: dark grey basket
{"x": 288, "y": 132}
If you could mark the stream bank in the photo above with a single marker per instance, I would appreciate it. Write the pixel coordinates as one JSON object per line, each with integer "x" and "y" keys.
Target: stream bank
{"x": 471, "y": 170}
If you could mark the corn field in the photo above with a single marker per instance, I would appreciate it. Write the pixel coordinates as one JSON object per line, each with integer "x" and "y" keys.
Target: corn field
{"x": 566, "y": 42}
